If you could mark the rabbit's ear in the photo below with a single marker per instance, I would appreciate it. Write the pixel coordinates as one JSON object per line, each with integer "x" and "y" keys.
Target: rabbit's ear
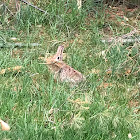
{"x": 59, "y": 54}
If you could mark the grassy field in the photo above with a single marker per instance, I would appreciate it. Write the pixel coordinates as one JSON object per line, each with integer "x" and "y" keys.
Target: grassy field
{"x": 104, "y": 107}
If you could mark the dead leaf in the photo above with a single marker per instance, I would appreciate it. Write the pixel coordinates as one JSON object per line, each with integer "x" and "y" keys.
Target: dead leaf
{"x": 136, "y": 110}
{"x": 134, "y": 104}
{"x": 102, "y": 54}
{"x": 87, "y": 98}
{"x": 3, "y": 71}
{"x": 130, "y": 136}
{"x": 51, "y": 111}
{"x": 78, "y": 101}
{"x": 16, "y": 68}
{"x": 4, "y": 126}
{"x": 95, "y": 71}
{"x": 109, "y": 71}
{"x": 128, "y": 72}
{"x": 85, "y": 108}
{"x": 13, "y": 38}
{"x": 9, "y": 69}
{"x": 15, "y": 88}
{"x": 76, "y": 35}
{"x": 125, "y": 18}
{"x": 41, "y": 58}
{"x": 80, "y": 41}
{"x": 17, "y": 53}
{"x": 105, "y": 85}
{"x": 39, "y": 26}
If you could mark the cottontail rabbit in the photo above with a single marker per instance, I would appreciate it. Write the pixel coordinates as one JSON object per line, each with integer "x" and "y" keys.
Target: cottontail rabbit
{"x": 63, "y": 71}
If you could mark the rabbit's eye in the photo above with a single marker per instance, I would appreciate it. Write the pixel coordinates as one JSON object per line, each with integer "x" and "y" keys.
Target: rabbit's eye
{"x": 58, "y": 57}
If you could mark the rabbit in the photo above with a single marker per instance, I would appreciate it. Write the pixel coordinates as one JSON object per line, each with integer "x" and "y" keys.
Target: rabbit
{"x": 62, "y": 71}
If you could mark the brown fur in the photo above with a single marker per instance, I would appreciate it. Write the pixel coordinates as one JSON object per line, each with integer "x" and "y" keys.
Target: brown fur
{"x": 63, "y": 71}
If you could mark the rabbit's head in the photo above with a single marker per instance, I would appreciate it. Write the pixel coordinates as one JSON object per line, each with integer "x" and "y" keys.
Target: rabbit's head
{"x": 57, "y": 57}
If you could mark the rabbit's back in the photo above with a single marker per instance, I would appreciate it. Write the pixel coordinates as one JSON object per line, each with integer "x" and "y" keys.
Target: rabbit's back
{"x": 68, "y": 74}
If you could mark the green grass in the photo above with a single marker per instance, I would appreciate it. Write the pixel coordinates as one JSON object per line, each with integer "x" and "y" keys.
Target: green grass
{"x": 39, "y": 108}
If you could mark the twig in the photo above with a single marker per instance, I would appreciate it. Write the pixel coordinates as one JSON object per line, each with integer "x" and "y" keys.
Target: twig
{"x": 8, "y": 9}
{"x": 124, "y": 38}
{"x": 24, "y": 1}
{"x": 129, "y": 34}
{"x": 19, "y": 44}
